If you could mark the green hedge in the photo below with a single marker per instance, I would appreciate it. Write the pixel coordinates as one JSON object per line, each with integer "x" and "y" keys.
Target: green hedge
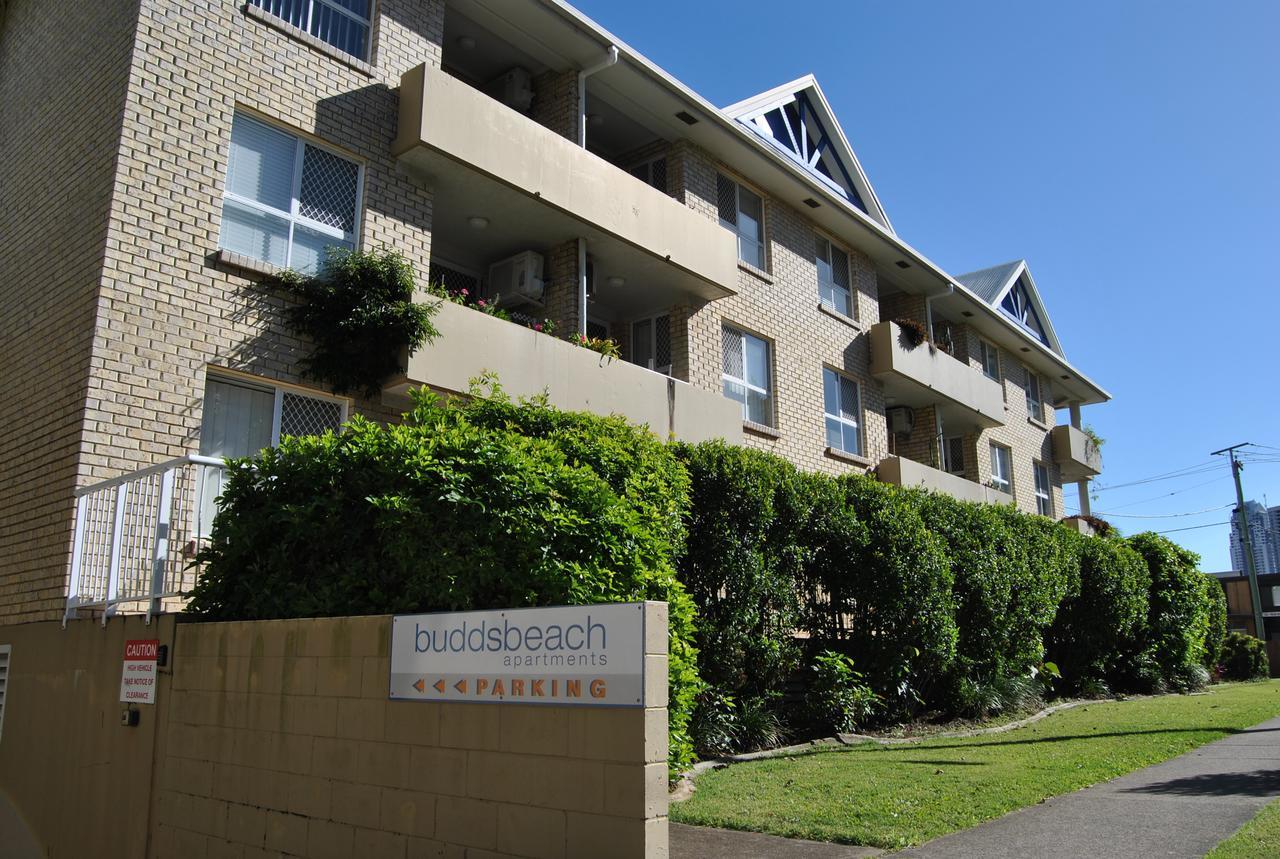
{"x": 1179, "y": 613}
{"x": 489, "y": 504}
{"x": 1244, "y": 657}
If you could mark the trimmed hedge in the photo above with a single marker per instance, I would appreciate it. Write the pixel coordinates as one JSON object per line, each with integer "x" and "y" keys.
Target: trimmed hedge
{"x": 488, "y": 504}
{"x": 1179, "y": 614}
{"x": 1244, "y": 658}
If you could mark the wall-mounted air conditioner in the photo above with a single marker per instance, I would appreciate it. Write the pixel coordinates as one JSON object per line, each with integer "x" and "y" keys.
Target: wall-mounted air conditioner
{"x": 902, "y": 420}
{"x": 517, "y": 281}
{"x": 514, "y": 88}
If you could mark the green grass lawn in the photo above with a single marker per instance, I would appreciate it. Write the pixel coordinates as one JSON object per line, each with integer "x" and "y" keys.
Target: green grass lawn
{"x": 1257, "y": 839}
{"x": 896, "y": 796}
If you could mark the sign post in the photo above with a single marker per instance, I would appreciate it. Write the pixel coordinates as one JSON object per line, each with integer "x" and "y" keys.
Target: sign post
{"x": 138, "y": 681}
{"x": 591, "y": 655}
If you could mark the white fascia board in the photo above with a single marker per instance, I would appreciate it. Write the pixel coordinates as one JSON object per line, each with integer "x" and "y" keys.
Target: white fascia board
{"x": 1037, "y": 303}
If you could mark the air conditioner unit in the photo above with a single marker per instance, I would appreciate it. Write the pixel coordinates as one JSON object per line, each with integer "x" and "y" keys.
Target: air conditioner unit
{"x": 517, "y": 281}
{"x": 902, "y": 420}
{"x": 514, "y": 88}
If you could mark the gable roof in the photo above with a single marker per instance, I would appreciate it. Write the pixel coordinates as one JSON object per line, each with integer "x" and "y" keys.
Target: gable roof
{"x": 994, "y": 285}
{"x": 797, "y": 120}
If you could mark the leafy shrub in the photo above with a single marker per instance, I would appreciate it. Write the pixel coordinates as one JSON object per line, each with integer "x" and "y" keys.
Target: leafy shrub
{"x": 741, "y": 565}
{"x": 359, "y": 314}
{"x": 489, "y": 504}
{"x": 1103, "y": 615}
{"x": 1216, "y": 601}
{"x": 714, "y": 724}
{"x": 838, "y": 699}
{"x": 759, "y": 725}
{"x": 1244, "y": 658}
{"x": 1178, "y": 612}
{"x": 984, "y": 699}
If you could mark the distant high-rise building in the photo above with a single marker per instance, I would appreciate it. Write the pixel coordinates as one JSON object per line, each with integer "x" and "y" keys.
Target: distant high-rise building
{"x": 1264, "y": 535}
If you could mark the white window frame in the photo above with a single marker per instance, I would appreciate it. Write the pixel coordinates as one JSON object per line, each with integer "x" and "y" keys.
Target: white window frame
{"x": 1002, "y": 482}
{"x": 6, "y": 662}
{"x": 664, "y": 369}
{"x": 735, "y": 226}
{"x": 305, "y": 25}
{"x": 831, "y": 284}
{"x": 278, "y": 391}
{"x": 768, "y": 357}
{"x": 1035, "y": 404}
{"x": 856, "y": 422}
{"x": 293, "y": 216}
{"x": 1044, "y": 493}
{"x": 987, "y": 350}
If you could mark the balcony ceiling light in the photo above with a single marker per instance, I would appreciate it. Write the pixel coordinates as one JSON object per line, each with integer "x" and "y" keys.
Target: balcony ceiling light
{"x": 478, "y": 222}
{"x": 466, "y": 42}
{"x": 595, "y": 120}
{"x": 617, "y": 282}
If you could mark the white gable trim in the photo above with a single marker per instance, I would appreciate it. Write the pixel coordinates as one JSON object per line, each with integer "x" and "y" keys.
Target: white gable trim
{"x": 1022, "y": 273}
{"x": 757, "y": 106}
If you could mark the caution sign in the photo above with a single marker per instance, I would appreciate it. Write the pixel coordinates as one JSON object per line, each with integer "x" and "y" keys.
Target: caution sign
{"x": 138, "y": 682}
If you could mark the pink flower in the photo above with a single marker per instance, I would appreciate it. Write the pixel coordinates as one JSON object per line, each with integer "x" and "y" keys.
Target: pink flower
{"x": 537, "y": 327}
{"x": 465, "y": 292}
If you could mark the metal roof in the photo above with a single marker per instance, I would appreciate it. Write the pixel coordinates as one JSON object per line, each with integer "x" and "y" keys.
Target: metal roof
{"x": 989, "y": 283}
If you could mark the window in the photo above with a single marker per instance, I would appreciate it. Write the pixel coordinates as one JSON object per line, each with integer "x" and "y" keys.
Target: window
{"x": 833, "y": 276}
{"x": 1017, "y": 305}
{"x": 241, "y": 418}
{"x": 746, "y": 374}
{"x": 651, "y": 343}
{"x": 286, "y": 200}
{"x": 597, "y": 329}
{"x": 990, "y": 359}
{"x": 742, "y": 212}
{"x": 841, "y": 411}
{"x": 1044, "y": 498}
{"x": 344, "y": 24}
{"x": 652, "y": 173}
{"x": 953, "y": 454}
{"x": 5, "y": 652}
{"x": 1034, "y": 404}
{"x": 1001, "y": 468}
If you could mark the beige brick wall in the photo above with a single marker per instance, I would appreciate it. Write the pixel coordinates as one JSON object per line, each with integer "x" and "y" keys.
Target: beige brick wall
{"x": 63, "y": 73}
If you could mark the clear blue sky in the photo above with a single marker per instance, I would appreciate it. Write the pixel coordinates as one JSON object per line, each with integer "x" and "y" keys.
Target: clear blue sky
{"x": 1127, "y": 150}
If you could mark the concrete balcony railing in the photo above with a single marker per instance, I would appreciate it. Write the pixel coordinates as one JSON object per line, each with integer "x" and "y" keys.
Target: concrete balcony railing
{"x": 901, "y": 471}
{"x": 1077, "y": 456}
{"x": 528, "y": 362}
{"x": 478, "y": 153}
{"x": 923, "y": 376}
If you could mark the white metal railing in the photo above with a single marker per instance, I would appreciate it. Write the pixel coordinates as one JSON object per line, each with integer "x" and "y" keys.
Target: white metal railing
{"x": 136, "y": 536}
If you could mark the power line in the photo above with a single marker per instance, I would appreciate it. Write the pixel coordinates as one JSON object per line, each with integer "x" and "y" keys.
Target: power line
{"x": 1166, "y": 515}
{"x": 1189, "y": 471}
{"x": 1167, "y": 494}
{"x": 1191, "y": 528}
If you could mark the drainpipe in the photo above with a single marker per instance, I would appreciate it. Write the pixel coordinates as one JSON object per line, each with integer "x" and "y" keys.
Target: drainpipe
{"x": 928, "y": 307}
{"x": 582, "y": 287}
{"x": 610, "y": 58}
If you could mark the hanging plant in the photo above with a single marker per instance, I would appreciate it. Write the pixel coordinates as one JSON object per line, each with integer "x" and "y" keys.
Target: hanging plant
{"x": 912, "y": 332}
{"x": 359, "y": 315}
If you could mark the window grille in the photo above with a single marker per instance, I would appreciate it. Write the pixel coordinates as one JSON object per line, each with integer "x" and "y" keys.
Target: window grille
{"x": 303, "y": 415}
{"x": 953, "y": 454}
{"x": 452, "y": 279}
{"x": 651, "y": 343}
{"x": 742, "y": 211}
{"x": 1044, "y": 499}
{"x": 746, "y": 374}
{"x": 286, "y": 201}
{"x": 652, "y": 173}
{"x": 1034, "y": 402}
{"x": 344, "y": 24}
{"x": 833, "y": 276}
{"x": 841, "y": 412}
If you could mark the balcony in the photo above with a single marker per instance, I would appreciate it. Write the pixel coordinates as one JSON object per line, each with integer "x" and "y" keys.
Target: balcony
{"x": 1078, "y": 458}
{"x": 528, "y": 362}
{"x": 535, "y": 189}
{"x": 901, "y": 471}
{"x": 923, "y": 376}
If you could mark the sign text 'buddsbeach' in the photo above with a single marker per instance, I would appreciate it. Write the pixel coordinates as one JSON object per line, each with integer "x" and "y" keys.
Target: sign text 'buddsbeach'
{"x": 591, "y": 655}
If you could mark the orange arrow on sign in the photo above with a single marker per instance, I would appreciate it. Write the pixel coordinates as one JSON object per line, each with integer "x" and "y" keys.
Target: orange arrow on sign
{"x": 420, "y": 684}
{"x": 461, "y": 685}
{"x": 438, "y": 685}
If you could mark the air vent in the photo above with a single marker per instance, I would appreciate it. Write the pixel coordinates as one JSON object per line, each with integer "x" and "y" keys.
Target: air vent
{"x": 902, "y": 264}
{"x": 1025, "y": 349}
{"x": 811, "y": 203}
{"x": 1065, "y": 376}
{"x": 687, "y": 118}
{"x": 966, "y": 313}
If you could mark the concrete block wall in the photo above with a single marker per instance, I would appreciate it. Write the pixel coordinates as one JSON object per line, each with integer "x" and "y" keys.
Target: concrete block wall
{"x": 281, "y": 737}
{"x": 63, "y": 76}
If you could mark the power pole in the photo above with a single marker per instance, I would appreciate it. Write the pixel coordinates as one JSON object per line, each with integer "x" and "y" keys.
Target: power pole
{"x": 1258, "y": 623}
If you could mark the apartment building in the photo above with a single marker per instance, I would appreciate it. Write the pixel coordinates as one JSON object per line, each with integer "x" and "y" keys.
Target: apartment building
{"x": 1264, "y": 538}
{"x": 162, "y": 156}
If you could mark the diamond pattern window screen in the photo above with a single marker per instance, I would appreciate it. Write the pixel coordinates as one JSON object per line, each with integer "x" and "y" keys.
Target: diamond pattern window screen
{"x": 651, "y": 343}
{"x": 452, "y": 279}
{"x": 742, "y": 211}
{"x": 747, "y": 373}
{"x": 303, "y": 415}
{"x": 344, "y": 24}
{"x": 275, "y": 213}
{"x": 833, "y": 276}
{"x": 841, "y": 411}
{"x": 652, "y": 173}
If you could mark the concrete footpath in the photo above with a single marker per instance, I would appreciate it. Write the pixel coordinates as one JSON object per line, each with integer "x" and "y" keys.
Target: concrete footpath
{"x": 1180, "y": 808}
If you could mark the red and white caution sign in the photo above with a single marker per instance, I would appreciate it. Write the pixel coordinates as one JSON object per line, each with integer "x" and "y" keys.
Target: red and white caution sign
{"x": 138, "y": 682}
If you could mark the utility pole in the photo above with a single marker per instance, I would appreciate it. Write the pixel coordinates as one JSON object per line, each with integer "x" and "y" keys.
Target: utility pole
{"x": 1258, "y": 623}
